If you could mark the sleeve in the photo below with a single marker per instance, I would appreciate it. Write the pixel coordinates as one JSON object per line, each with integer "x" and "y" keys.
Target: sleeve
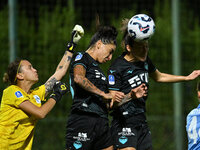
{"x": 15, "y": 97}
{"x": 151, "y": 67}
{"x": 40, "y": 91}
{"x": 80, "y": 60}
{"x": 114, "y": 79}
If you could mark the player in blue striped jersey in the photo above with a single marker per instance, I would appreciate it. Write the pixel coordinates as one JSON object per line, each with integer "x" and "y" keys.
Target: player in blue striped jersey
{"x": 193, "y": 125}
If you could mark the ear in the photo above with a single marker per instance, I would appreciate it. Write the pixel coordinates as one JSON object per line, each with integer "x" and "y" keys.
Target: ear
{"x": 20, "y": 76}
{"x": 98, "y": 44}
{"x": 128, "y": 48}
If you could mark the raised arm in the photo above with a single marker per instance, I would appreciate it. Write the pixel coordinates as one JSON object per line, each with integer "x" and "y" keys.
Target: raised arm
{"x": 63, "y": 65}
{"x": 164, "y": 77}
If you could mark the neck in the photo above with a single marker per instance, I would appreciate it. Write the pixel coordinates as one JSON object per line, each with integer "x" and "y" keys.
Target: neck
{"x": 26, "y": 86}
{"x": 130, "y": 57}
{"x": 133, "y": 58}
{"x": 91, "y": 52}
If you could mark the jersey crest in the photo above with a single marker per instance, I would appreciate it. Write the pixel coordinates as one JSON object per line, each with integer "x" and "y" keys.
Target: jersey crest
{"x": 111, "y": 79}
{"x": 18, "y": 94}
{"x": 78, "y": 57}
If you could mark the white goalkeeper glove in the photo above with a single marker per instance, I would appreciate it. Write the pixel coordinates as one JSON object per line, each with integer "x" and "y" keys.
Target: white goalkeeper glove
{"x": 77, "y": 33}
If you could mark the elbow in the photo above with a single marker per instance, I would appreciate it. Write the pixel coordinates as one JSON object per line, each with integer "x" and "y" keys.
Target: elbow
{"x": 77, "y": 79}
{"x": 40, "y": 116}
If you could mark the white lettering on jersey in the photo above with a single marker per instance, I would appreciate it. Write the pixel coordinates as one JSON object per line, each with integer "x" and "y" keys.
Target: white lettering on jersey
{"x": 99, "y": 75}
{"x": 138, "y": 79}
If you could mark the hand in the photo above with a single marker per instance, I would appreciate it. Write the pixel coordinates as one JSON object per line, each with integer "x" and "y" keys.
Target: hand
{"x": 117, "y": 98}
{"x": 139, "y": 92}
{"x": 193, "y": 75}
{"x": 107, "y": 96}
{"x": 59, "y": 89}
{"x": 77, "y": 33}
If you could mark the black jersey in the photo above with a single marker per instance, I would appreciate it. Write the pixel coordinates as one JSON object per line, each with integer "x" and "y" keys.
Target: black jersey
{"x": 124, "y": 76}
{"x": 82, "y": 99}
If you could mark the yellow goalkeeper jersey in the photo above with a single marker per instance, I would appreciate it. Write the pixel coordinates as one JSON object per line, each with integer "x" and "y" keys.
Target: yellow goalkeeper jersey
{"x": 16, "y": 126}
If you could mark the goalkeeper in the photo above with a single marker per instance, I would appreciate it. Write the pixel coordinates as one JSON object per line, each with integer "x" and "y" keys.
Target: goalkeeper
{"x": 21, "y": 107}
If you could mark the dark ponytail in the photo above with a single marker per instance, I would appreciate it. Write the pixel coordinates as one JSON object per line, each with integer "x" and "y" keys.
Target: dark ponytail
{"x": 127, "y": 40}
{"x": 13, "y": 69}
{"x": 107, "y": 34}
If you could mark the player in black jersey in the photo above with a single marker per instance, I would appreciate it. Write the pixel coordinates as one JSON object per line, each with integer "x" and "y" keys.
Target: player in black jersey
{"x": 88, "y": 126}
{"x": 127, "y": 73}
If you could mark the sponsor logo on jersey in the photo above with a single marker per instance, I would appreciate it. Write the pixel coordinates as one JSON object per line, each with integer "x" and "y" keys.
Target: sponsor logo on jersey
{"x": 94, "y": 64}
{"x": 79, "y": 56}
{"x": 18, "y": 94}
{"x": 130, "y": 71}
{"x": 112, "y": 71}
{"x": 111, "y": 79}
{"x": 99, "y": 75}
{"x": 37, "y": 98}
{"x": 138, "y": 79}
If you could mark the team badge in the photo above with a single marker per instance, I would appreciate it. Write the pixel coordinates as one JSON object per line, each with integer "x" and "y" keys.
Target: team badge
{"x": 77, "y": 144}
{"x": 18, "y": 94}
{"x": 79, "y": 56}
{"x": 123, "y": 139}
{"x": 111, "y": 79}
{"x": 37, "y": 98}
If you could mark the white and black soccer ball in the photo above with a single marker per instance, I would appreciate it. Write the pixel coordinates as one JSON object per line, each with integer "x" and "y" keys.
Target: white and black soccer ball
{"x": 141, "y": 27}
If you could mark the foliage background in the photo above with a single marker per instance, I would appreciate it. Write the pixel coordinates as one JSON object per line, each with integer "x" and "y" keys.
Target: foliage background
{"x": 43, "y": 35}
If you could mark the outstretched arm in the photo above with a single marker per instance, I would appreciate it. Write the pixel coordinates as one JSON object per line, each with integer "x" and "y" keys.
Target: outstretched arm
{"x": 63, "y": 66}
{"x": 164, "y": 77}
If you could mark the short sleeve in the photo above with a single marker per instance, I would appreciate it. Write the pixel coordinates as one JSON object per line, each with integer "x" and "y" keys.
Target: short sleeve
{"x": 14, "y": 96}
{"x": 151, "y": 67}
{"x": 80, "y": 60}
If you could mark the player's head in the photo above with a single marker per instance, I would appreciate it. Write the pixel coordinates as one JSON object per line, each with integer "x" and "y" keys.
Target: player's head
{"x": 103, "y": 43}
{"x": 20, "y": 70}
{"x": 138, "y": 49}
{"x": 198, "y": 90}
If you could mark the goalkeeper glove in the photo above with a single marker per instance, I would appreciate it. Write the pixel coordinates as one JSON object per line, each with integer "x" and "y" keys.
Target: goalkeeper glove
{"x": 77, "y": 34}
{"x": 59, "y": 89}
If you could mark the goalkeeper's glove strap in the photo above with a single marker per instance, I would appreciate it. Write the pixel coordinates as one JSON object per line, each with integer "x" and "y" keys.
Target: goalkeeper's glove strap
{"x": 71, "y": 46}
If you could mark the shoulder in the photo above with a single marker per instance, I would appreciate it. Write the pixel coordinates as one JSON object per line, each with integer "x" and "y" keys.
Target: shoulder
{"x": 80, "y": 58}
{"x": 13, "y": 90}
{"x": 118, "y": 62}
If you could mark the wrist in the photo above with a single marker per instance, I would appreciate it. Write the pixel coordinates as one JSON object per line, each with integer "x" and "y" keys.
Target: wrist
{"x": 71, "y": 46}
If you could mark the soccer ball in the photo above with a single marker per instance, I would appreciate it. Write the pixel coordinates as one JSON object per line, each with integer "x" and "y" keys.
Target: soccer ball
{"x": 141, "y": 27}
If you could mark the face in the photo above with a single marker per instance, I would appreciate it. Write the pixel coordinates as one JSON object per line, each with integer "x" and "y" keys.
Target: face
{"x": 105, "y": 52}
{"x": 27, "y": 72}
{"x": 140, "y": 50}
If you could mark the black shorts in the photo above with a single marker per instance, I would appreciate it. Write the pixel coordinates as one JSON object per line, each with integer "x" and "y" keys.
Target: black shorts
{"x": 87, "y": 132}
{"x": 128, "y": 134}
